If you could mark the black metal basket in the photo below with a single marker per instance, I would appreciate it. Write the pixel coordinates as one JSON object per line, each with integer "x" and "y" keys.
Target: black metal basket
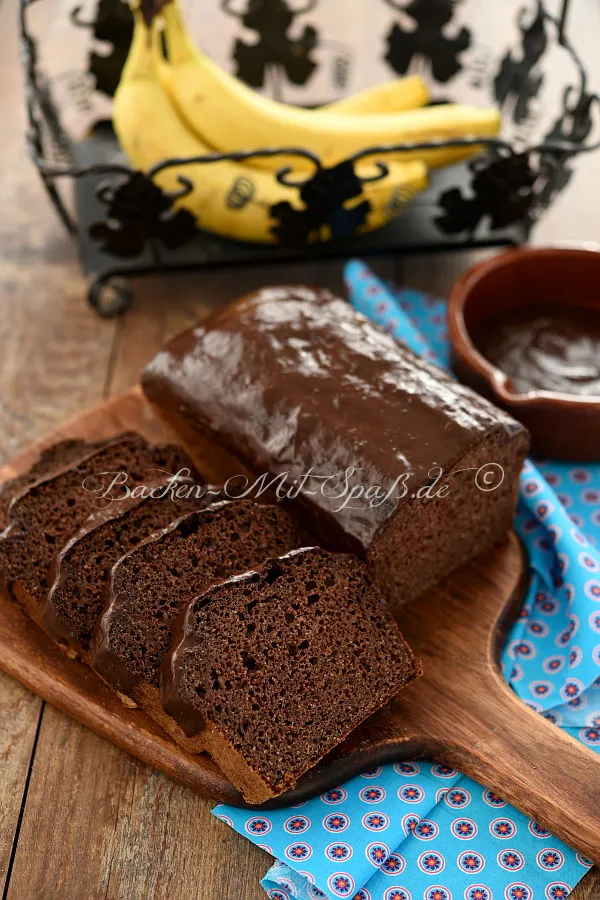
{"x": 124, "y": 224}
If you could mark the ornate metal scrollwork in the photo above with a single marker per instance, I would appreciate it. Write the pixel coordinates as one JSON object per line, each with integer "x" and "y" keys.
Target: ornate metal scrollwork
{"x": 138, "y": 212}
{"x": 507, "y": 185}
{"x": 427, "y": 39}
{"x": 275, "y": 47}
{"x": 502, "y": 191}
{"x": 324, "y": 197}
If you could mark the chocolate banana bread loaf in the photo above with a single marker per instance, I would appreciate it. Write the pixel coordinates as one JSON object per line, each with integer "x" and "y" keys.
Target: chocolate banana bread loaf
{"x": 81, "y": 570}
{"x": 153, "y": 582}
{"x": 270, "y": 670}
{"x": 387, "y": 454}
{"x": 44, "y": 517}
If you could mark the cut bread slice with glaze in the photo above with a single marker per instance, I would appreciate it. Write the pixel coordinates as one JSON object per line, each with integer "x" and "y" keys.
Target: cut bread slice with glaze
{"x": 82, "y": 569}
{"x": 45, "y": 516}
{"x": 151, "y": 584}
{"x": 270, "y": 670}
{"x": 51, "y": 459}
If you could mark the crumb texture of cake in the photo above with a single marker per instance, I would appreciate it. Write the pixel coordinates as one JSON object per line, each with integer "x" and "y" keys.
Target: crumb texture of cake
{"x": 150, "y": 585}
{"x": 272, "y": 669}
{"x": 293, "y": 381}
{"x": 75, "y": 601}
{"x": 46, "y": 515}
{"x": 56, "y": 456}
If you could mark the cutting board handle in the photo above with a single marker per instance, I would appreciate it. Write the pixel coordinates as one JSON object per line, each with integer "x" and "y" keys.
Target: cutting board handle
{"x": 463, "y": 713}
{"x": 529, "y": 762}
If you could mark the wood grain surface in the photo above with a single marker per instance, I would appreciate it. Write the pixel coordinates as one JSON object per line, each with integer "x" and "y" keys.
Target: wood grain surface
{"x": 80, "y": 819}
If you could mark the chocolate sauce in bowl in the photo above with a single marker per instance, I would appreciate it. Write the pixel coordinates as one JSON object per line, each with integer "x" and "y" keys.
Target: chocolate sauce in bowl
{"x": 545, "y": 349}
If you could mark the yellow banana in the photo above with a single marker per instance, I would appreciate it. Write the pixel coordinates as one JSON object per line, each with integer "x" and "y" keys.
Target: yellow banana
{"x": 230, "y": 116}
{"x": 398, "y": 95}
{"x": 227, "y": 198}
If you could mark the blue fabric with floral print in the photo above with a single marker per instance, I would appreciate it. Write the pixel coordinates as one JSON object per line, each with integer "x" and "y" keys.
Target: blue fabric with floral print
{"x": 421, "y": 831}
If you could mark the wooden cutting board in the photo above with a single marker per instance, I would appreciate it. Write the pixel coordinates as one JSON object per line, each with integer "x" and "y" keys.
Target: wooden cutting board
{"x": 460, "y": 713}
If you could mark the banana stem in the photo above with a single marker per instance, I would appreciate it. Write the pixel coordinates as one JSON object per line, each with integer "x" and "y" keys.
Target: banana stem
{"x": 179, "y": 46}
{"x": 140, "y": 62}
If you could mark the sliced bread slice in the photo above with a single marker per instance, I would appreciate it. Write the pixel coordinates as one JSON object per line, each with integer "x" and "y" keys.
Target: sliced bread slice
{"x": 44, "y": 517}
{"x": 270, "y": 670}
{"x": 56, "y": 456}
{"x": 82, "y": 568}
{"x": 152, "y": 583}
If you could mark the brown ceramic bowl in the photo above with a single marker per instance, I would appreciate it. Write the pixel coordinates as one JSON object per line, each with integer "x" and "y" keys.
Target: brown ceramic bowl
{"x": 562, "y": 426}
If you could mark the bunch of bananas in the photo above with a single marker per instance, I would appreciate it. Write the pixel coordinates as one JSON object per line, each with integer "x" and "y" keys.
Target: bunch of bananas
{"x": 179, "y": 105}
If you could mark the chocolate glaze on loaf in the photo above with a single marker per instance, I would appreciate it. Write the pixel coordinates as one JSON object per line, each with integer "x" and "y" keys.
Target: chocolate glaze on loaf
{"x": 150, "y": 585}
{"x": 82, "y": 568}
{"x": 272, "y": 669}
{"x": 295, "y": 381}
{"x": 45, "y": 516}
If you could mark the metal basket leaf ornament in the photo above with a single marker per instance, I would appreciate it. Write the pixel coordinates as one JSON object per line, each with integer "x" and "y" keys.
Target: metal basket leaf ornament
{"x": 139, "y": 212}
{"x": 427, "y": 39}
{"x": 125, "y": 224}
{"x": 274, "y": 46}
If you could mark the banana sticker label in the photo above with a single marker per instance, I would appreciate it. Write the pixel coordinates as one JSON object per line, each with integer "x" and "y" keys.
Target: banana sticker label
{"x": 241, "y": 193}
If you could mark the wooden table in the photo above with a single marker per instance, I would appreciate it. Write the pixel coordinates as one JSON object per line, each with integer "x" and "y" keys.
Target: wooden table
{"x": 79, "y": 819}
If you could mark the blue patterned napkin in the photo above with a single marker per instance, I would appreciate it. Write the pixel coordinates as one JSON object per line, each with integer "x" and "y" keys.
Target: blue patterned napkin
{"x": 421, "y": 831}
